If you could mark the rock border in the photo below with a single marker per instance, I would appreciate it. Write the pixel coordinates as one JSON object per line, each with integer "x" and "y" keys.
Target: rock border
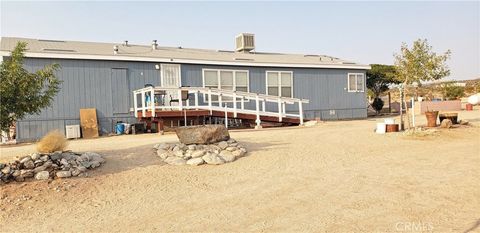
{"x": 198, "y": 154}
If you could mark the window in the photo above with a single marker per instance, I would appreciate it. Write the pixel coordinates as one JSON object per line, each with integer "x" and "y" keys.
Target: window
{"x": 235, "y": 80}
{"x": 280, "y": 83}
{"x": 356, "y": 82}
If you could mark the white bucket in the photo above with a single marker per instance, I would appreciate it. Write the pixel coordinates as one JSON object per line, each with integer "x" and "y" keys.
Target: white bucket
{"x": 381, "y": 128}
{"x": 390, "y": 121}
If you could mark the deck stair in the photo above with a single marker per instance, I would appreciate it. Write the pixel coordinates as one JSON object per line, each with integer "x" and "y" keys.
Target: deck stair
{"x": 214, "y": 102}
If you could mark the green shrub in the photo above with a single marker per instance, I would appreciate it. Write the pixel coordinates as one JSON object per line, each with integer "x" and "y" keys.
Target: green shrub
{"x": 377, "y": 104}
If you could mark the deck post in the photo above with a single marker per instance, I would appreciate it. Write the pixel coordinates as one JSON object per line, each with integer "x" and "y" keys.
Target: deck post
{"x": 135, "y": 103}
{"x": 257, "y": 106}
{"x": 284, "y": 108}
{"x": 210, "y": 100}
{"x": 242, "y": 104}
{"x": 263, "y": 105}
{"x": 180, "y": 103}
{"x": 300, "y": 109}
{"x": 234, "y": 104}
{"x": 279, "y": 110}
{"x": 143, "y": 103}
{"x": 152, "y": 101}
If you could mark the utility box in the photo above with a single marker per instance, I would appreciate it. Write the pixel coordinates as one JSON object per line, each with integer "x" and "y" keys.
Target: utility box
{"x": 72, "y": 131}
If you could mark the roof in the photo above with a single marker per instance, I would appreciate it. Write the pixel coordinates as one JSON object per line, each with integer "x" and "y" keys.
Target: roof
{"x": 104, "y": 51}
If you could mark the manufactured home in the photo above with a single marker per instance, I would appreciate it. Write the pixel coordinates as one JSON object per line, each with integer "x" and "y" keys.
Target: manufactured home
{"x": 173, "y": 86}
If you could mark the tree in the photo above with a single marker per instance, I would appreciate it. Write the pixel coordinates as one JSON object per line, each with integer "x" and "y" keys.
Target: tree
{"x": 450, "y": 91}
{"x": 22, "y": 92}
{"x": 377, "y": 104}
{"x": 419, "y": 63}
{"x": 380, "y": 77}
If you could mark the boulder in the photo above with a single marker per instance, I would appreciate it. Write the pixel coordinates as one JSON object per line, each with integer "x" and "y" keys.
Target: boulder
{"x": 43, "y": 175}
{"x": 29, "y": 164}
{"x": 195, "y": 161}
{"x": 211, "y": 158}
{"x": 463, "y": 122}
{"x": 26, "y": 173}
{"x": 446, "y": 123}
{"x": 175, "y": 161}
{"x": 203, "y": 134}
{"x": 227, "y": 156}
{"x": 35, "y": 156}
{"x": 231, "y": 148}
{"x": 25, "y": 159}
{"x": 6, "y": 170}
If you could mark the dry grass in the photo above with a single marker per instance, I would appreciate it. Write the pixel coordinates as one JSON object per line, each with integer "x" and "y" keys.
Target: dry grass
{"x": 52, "y": 141}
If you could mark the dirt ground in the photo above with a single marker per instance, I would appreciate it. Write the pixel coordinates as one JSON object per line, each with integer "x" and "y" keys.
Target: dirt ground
{"x": 333, "y": 177}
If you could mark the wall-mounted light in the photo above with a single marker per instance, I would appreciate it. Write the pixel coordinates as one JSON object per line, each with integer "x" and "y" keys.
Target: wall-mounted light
{"x": 115, "y": 49}
{"x": 157, "y": 66}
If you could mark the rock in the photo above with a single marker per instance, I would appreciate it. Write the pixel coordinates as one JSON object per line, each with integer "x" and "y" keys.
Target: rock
{"x": 175, "y": 161}
{"x": 231, "y": 140}
{"x": 82, "y": 168}
{"x": 35, "y": 156}
{"x": 29, "y": 164}
{"x": 238, "y": 153}
{"x": 26, "y": 173}
{"x": 191, "y": 147}
{"x": 195, "y": 161}
{"x": 310, "y": 123}
{"x": 227, "y": 156}
{"x": 16, "y": 173}
{"x": 198, "y": 153}
{"x": 64, "y": 162}
{"x": 203, "y": 134}
{"x": 39, "y": 169}
{"x": 63, "y": 174}
{"x": 2, "y": 165}
{"x": 76, "y": 172}
{"x": 463, "y": 122}
{"x": 19, "y": 178}
{"x": 95, "y": 164}
{"x": 446, "y": 123}
{"x": 57, "y": 155}
{"x": 43, "y": 175}
{"x": 231, "y": 148}
{"x": 233, "y": 144}
{"x": 44, "y": 158}
{"x": 163, "y": 153}
{"x": 211, "y": 158}
{"x": 163, "y": 146}
{"x": 6, "y": 170}
{"x": 25, "y": 159}
{"x": 95, "y": 157}
{"x": 178, "y": 153}
{"x": 223, "y": 145}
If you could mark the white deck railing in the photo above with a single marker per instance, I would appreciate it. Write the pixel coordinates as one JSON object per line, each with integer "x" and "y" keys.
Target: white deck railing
{"x": 235, "y": 98}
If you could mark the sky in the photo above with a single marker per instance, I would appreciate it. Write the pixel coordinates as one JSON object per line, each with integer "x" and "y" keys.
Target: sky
{"x": 364, "y": 32}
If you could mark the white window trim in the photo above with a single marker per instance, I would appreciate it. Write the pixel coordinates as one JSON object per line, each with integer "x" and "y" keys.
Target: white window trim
{"x": 220, "y": 84}
{"x": 356, "y": 82}
{"x": 279, "y": 81}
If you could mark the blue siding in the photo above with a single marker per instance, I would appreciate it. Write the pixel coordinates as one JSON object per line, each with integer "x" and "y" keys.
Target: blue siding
{"x": 91, "y": 84}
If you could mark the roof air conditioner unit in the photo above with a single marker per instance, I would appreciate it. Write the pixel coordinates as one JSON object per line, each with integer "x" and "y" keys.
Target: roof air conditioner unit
{"x": 245, "y": 42}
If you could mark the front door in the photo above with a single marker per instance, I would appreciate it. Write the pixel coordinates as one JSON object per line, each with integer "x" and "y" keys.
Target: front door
{"x": 170, "y": 77}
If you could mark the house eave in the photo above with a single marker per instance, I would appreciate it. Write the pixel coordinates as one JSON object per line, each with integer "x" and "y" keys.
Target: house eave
{"x": 185, "y": 61}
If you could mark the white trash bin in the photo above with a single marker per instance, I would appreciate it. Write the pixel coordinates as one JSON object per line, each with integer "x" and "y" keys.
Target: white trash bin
{"x": 381, "y": 128}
